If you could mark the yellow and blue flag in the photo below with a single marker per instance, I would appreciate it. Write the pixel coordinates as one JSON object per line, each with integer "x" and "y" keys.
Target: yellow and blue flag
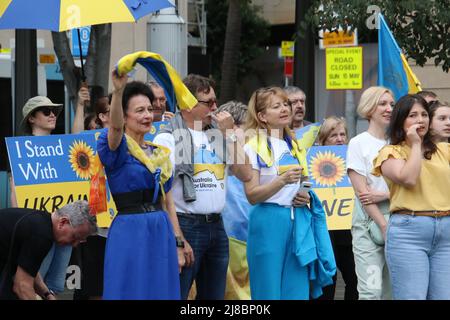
{"x": 235, "y": 220}
{"x": 62, "y": 15}
{"x": 393, "y": 70}
{"x": 177, "y": 93}
{"x": 306, "y": 136}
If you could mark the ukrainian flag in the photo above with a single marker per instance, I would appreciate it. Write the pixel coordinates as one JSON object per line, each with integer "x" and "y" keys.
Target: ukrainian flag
{"x": 177, "y": 93}
{"x": 235, "y": 220}
{"x": 393, "y": 70}
{"x": 306, "y": 136}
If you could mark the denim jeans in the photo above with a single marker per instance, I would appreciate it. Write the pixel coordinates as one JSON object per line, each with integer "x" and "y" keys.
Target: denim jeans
{"x": 418, "y": 256}
{"x": 209, "y": 242}
{"x": 54, "y": 267}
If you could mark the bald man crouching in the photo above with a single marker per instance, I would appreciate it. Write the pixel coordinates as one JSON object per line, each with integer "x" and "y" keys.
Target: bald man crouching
{"x": 26, "y": 236}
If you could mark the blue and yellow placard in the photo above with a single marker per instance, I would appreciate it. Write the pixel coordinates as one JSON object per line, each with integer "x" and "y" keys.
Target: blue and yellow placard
{"x": 51, "y": 171}
{"x": 156, "y": 127}
{"x": 327, "y": 169}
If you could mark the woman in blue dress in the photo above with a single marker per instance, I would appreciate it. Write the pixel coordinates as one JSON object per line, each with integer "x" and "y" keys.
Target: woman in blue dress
{"x": 145, "y": 248}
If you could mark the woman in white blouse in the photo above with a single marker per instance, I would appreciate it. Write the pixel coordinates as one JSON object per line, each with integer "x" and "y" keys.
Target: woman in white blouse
{"x": 371, "y": 209}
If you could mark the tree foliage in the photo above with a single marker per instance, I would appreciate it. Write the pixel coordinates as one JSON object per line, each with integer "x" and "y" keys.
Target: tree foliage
{"x": 255, "y": 30}
{"x": 97, "y": 61}
{"x": 421, "y": 28}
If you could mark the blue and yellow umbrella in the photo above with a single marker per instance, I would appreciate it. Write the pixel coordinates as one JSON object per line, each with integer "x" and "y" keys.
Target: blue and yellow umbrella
{"x": 62, "y": 15}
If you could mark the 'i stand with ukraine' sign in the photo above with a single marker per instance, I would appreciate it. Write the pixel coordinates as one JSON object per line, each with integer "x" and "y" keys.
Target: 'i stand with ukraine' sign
{"x": 51, "y": 171}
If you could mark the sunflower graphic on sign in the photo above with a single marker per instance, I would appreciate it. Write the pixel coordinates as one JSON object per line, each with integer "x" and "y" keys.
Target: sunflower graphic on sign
{"x": 81, "y": 158}
{"x": 327, "y": 168}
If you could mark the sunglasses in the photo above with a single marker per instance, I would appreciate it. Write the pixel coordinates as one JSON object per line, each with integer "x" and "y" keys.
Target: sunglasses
{"x": 46, "y": 111}
{"x": 210, "y": 103}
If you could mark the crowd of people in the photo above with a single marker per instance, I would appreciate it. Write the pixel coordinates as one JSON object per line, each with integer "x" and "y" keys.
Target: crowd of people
{"x": 173, "y": 196}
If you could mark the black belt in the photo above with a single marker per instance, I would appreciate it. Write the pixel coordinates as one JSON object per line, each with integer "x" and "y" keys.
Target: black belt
{"x": 136, "y": 202}
{"x": 208, "y": 218}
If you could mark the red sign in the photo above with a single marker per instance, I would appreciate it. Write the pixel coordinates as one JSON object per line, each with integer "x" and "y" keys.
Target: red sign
{"x": 288, "y": 67}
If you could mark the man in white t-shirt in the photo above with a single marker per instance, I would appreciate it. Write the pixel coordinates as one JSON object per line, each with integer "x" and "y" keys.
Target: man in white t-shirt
{"x": 199, "y": 154}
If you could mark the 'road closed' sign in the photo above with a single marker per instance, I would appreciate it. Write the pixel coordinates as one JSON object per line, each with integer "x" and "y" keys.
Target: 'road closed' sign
{"x": 344, "y": 68}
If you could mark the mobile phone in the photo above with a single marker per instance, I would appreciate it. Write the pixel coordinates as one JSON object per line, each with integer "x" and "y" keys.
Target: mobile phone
{"x": 305, "y": 186}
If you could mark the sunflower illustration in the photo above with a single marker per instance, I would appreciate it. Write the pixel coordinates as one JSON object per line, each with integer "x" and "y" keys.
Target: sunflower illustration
{"x": 81, "y": 156}
{"x": 327, "y": 169}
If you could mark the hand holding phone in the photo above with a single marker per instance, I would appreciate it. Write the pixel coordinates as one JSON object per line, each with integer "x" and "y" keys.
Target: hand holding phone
{"x": 305, "y": 186}
{"x": 302, "y": 197}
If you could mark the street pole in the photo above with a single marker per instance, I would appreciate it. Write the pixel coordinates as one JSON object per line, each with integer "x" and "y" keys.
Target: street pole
{"x": 25, "y": 73}
{"x": 304, "y": 59}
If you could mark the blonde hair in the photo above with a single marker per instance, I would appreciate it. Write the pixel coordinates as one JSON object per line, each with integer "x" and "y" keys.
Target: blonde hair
{"x": 369, "y": 100}
{"x": 260, "y": 100}
{"x": 328, "y": 126}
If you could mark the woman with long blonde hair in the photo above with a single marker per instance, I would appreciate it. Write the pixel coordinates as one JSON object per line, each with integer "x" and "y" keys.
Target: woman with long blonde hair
{"x": 281, "y": 246}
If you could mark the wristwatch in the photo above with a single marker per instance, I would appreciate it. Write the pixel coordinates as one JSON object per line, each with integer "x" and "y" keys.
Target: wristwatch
{"x": 49, "y": 292}
{"x": 180, "y": 242}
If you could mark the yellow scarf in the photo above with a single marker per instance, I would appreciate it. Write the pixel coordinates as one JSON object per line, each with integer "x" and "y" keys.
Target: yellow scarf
{"x": 260, "y": 146}
{"x": 158, "y": 160}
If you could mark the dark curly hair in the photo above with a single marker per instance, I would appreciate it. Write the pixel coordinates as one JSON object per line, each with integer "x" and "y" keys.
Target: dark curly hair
{"x": 400, "y": 112}
{"x": 135, "y": 88}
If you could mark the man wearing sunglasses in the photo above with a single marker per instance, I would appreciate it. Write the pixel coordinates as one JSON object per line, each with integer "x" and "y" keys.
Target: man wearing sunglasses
{"x": 39, "y": 116}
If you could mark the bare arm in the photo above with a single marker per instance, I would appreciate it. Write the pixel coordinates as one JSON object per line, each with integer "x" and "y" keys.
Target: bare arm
{"x": 186, "y": 254}
{"x": 115, "y": 131}
{"x": 407, "y": 172}
{"x": 257, "y": 193}
{"x": 359, "y": 183}
{"x": 12, "y": 188}
{"x": 403, "y": 172}
{"x": 241, "y": 166}
{"x": 78, "y": 121}
{"x": 23, "y": 285}
{"x": 40, "y": 287}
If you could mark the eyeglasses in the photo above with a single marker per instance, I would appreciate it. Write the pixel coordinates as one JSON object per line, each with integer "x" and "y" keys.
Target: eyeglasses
{"x": 76, "y": 238}
{"x": 210, "y": 103}
{"x": 46, "y": 111}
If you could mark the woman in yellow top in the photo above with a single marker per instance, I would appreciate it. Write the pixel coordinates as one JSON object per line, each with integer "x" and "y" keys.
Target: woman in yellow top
{"x": 417, "y": 173}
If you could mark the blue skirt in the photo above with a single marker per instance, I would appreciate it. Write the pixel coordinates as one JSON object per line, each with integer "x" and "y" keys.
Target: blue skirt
{"x": 141, "y": 260}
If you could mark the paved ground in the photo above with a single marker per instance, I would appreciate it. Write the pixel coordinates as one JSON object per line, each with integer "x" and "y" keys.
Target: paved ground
{"x": 68, "y": 294}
